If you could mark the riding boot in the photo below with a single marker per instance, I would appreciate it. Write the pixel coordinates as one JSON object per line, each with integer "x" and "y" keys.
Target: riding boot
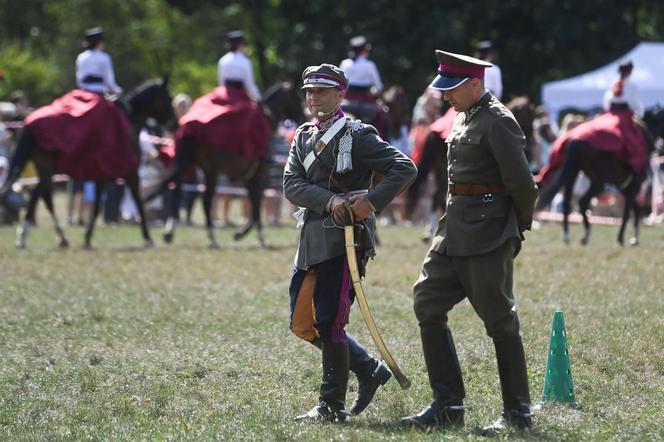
{"x": 445, "y": 379}
{"x": 371, "y": 374}
{"x": 514, "y": 386}
{"x": 333, "y": 386}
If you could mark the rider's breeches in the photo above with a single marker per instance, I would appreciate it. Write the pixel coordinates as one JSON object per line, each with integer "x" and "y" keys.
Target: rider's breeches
{"x": 320, "y": 300}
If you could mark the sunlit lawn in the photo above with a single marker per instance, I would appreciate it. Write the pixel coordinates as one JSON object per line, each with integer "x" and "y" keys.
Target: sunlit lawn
{"x": 183, "y": 342}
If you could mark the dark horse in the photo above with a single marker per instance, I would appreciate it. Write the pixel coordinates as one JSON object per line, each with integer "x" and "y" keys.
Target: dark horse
{"x": 601, "y": 168}
{"x": 280, "y": 102}
{"x": 151, "y": 99}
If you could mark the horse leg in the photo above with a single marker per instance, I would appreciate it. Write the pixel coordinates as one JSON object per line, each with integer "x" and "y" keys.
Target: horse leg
{"x": 24, "y": 226}
{"x": 584, "y": 205}
{"x": 47, "y": 194}
{"x": 173, "y": 218}
{"x": 254, "y": 185}
{"x": 132, "y": 182}
{"x": 210, "y": 191}
{"x": 99, "y": 187}
{"x": 635, "y": 241}
{"x": 183, "y": 158}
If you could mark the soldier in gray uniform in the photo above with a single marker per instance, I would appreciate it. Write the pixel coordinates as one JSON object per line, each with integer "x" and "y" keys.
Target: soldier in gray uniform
{"x": 331, "y": 161}
{"x": 491, "y": 197}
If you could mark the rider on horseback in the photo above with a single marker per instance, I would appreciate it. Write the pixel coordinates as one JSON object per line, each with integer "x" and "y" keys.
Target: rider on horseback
{"x": 364, "y": 83}
{"x": 624, "y": 93}
{"x": 94, "y": 68}
{"x": 235, "y": 69}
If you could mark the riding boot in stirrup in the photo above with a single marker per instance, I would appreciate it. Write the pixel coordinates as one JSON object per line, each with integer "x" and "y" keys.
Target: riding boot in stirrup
{"x": 440, "y": 356}
{"x": 514, "y": 386}
{"x": 333, "y": 386}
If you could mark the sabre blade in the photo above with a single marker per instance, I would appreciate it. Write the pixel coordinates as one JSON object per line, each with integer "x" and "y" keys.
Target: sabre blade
{"x": 401, "y": 378}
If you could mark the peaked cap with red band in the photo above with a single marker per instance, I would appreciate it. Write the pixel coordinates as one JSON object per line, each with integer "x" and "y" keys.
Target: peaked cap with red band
{"x": 456, "y": 69}
{"x": 325, "y": 75}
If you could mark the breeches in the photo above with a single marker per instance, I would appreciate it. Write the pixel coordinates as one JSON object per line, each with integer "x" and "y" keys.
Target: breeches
{"x": 320, "y": 300}
{"x": 486, "y": 280}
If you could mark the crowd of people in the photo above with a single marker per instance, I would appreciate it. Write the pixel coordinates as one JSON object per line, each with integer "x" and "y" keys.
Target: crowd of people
{"x": 407, "y": 132}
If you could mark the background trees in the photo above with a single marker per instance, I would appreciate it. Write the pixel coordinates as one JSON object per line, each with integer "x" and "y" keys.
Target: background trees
{"x": 537, "y": 41}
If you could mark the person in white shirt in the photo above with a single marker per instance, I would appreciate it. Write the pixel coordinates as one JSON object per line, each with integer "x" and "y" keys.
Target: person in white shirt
{"x": 624, "y": 92}
{"x": 94, "y": 68}
{"x": 493, "y": 76}
{"x": 362, "y": 73}
{"x": 235, "y": 68}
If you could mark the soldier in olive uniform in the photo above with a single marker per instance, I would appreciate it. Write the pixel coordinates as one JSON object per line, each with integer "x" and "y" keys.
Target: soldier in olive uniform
{"x": 491, "y": 196}
{"x": 331, "y": 161}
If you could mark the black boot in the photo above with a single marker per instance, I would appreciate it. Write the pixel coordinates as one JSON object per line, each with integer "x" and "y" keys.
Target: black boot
{"x": 371, "y": 374}
{"x": 444, "y": 371}
{"x": 514, "y": 386}
{"x": 333, "y": 386}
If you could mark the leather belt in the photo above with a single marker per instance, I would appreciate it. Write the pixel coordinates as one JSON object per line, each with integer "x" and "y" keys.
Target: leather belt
{"x": 475, "y": 189}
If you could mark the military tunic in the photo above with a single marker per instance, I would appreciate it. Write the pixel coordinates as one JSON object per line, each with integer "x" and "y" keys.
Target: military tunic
{"x": 479, "y": 235}
{"x": 312, "y": 190}
{"x": 321, "y": 277}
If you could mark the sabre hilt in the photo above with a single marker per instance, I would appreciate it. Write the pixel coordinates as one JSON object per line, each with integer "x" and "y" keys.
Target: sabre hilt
{"x": 350, "y": 217}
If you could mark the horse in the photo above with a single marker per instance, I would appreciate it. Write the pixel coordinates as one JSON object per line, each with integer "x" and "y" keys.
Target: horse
{"x": 150, "y": 99}
{"x": 281, "y": 101}
{"x": 601, "y": 167}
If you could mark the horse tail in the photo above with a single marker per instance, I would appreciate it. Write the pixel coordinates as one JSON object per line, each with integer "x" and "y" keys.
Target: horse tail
{"x": 569, "y": 167}
{"x": 24, "y": 150}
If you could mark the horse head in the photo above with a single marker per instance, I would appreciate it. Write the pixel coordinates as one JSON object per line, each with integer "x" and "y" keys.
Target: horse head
{"x": 396, "y": 100}
{"x": 153, "y": 99}
{"x": 283, "y": 102}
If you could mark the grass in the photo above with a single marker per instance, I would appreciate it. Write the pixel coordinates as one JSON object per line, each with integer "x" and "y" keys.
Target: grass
{"x": 182, "y": 342}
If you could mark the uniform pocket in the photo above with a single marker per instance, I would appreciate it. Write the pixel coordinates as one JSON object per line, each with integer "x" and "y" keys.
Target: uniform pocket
{"x": 484, "y": 211}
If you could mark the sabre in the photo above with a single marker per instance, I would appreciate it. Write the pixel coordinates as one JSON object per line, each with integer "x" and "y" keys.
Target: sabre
{"x": 349, "y": 233}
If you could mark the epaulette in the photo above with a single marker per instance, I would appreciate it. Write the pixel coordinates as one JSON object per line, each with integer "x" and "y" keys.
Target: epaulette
{"x": 499, "y": 109}
{"x": 304, "y": 127}
{"x": 355, "y": 125}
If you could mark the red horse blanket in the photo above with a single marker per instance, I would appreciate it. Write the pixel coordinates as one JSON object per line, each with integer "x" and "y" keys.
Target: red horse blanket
{"x": 614, "y": 132}
{"x": 227, "y": 119}
{"x": 89, "y": 133}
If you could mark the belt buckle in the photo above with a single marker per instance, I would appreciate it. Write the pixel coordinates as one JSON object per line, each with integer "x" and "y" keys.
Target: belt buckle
{"x": 488, "y": 197}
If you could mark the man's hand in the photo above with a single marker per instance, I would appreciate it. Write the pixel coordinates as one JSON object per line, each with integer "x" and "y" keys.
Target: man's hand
{"x": 361, "y": 206}
{"x": 338, "y": 210}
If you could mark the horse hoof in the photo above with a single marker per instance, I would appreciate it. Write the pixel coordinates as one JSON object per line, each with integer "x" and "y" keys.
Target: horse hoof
{"x": 238, "y": 236}
{"x": 168, "y": 238}
{"x": 214, "y": 246}
{"x": 634, "y": 242}
{"x": 64, "y": 244}
{"x": 621, "y": 242}
{"x": 584, "y": 241}
{"x": 148, "y": 244}
{"x": 20, "y": 245}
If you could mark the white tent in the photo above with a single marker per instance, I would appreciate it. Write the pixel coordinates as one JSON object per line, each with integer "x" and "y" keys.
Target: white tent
{"x": 585, "y": 91}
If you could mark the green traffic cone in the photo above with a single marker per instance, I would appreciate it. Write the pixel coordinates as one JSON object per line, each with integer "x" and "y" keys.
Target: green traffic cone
{"x": 558, "y": 385}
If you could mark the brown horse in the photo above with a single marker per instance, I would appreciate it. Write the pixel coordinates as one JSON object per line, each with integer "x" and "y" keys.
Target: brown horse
{"x": 151, "y": 99}
{"x": 280, "y": 102}
{"x": 601, "y": 168}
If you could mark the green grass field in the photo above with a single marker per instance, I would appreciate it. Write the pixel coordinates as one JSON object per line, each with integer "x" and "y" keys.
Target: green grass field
{"x": 183, "y": 342}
